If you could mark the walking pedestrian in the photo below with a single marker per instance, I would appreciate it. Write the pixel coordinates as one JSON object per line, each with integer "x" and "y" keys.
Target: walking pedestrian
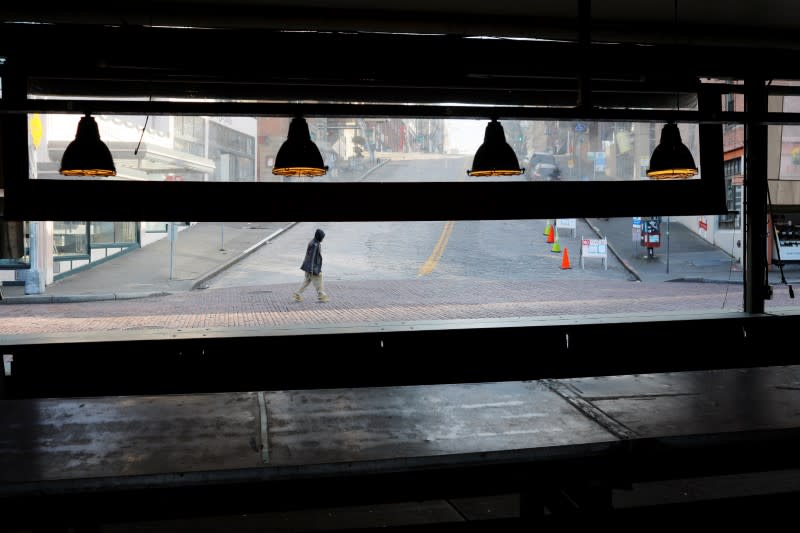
{"x": 312, "y": 266}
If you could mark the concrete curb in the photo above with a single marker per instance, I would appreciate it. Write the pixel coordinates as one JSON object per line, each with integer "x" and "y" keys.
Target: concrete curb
{"x": 625, "y": 263}
{"x": 66, "y": 298}
{"x": 232, "y": 261}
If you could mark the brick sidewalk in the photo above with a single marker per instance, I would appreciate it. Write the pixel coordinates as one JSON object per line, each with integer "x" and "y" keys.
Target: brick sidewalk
{"x": 373, "y": 302}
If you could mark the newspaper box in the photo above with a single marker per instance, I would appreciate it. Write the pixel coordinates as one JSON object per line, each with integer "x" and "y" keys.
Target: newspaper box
{"x": 650, "y": 234}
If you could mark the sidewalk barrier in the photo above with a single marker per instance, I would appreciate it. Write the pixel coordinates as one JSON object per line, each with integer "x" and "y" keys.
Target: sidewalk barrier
{"x": 565, "y": 259}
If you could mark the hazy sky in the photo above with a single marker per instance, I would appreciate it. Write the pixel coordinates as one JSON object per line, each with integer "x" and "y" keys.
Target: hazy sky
{"x": 464, "y": 136}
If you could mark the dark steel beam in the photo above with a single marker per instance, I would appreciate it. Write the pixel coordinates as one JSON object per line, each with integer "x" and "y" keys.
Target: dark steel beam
{"x": 43, "y": 199}
{"x": 757, "y": 287}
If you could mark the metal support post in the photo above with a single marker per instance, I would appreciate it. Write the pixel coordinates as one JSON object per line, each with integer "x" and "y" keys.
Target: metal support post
{"x": 756, "y": 288}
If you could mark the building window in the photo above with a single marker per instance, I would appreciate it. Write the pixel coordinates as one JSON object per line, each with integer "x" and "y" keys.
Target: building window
{"x": 70, "y": 240}
{"x": 234, "y": 152}
{"x": 14, "y": 244}
{"x": 190, "y": 134}
{"x": 105, "y": 234}
{"x": 155, "y": 227}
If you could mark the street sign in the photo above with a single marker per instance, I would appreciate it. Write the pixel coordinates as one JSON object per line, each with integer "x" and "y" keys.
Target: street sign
{"x": 581, "y": 127}
{"x": 567, "y": 223}
{"x": 597, "y": 248}
{"x": 600, "y": 161}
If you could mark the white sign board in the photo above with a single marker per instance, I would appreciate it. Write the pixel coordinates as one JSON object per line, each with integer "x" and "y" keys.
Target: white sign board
{"x": 567, "y": 223}
{"x": 789, "y": 250}
{"x": 595, "y": 248}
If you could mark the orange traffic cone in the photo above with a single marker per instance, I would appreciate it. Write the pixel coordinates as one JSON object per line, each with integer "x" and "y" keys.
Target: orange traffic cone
{"x": 565, "y": 260}
{"x": 551, "y": 236}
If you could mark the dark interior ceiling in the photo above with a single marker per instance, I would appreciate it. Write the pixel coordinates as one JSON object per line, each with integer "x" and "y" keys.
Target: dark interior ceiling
{"x": 772, "y": 23}
{"x": 503, "y": 59}
{"x": 539, "y": 53}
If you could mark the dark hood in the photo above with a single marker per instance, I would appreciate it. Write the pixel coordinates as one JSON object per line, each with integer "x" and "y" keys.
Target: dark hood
{"x": 319, "y": 235}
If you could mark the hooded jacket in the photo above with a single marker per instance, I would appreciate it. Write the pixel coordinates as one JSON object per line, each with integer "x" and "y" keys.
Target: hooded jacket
{"x": 312, "y": 263}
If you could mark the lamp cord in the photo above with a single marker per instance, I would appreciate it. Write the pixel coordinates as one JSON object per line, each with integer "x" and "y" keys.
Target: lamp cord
{"x": 142, "y": 135}
{"x": 678, "y": 92}
{"x": 150, "y": 99}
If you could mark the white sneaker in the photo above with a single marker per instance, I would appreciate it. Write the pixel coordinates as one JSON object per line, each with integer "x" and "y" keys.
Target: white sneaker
{"x": 324, "y": 298}
{"x": 297, "y": 297}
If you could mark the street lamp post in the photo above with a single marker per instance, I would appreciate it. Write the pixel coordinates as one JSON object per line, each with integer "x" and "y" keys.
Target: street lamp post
{"x": 172, "y": 234}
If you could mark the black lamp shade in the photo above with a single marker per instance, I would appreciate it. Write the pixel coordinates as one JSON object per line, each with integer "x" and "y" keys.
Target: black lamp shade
{"x": 299, "y": 156}
{"x": 87, "y": 155}
{"x": 495, "y": 157}
{"x": 671, "y": 159}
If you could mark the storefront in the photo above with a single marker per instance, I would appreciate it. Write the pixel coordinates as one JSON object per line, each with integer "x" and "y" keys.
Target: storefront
{"x": 786, "y": 237}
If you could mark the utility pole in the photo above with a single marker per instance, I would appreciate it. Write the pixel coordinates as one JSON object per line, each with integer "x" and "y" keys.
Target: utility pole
{"x": 172, "y": 234}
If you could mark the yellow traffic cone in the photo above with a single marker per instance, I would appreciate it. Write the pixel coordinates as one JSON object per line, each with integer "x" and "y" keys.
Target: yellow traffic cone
{"x": 556, "y": 246}
{"x": 547, "y": 228}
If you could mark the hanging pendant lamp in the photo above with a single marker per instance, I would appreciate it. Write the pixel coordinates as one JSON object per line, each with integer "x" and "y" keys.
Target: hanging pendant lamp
{"x": 299, "y": 156}
{"x": 671, "y": 160}
{"x": 87, "y": 155}
{"x": 495, "y": 157}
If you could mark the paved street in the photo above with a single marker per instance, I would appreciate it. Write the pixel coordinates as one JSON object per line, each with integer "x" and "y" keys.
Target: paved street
{"x": 109, "y": 297}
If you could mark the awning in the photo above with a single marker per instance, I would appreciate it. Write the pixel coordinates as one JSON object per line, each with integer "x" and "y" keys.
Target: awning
{"x": 148, "y": 159}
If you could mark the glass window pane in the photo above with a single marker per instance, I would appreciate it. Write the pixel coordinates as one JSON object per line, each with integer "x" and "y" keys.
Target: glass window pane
{"x": 113, "y": 233}
{"x": 789, "y": 136}
{"x": 243, "y": 149}
{"x": 584, "y": 269}
{"x": 70, "y": 238}
{"x": 13, "y": 244}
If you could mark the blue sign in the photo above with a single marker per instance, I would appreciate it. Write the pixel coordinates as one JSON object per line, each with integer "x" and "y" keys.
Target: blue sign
{"x": 581, "y": 127}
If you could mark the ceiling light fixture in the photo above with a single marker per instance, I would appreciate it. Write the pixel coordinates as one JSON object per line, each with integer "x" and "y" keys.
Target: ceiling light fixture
{"x": 671, "y": 160}
{"x": 495, "y": 157}
{"x": 299, "y": 156}
{"x": 87, "y": 155}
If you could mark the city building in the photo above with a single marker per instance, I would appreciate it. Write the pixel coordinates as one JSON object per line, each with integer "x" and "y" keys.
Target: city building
{"x": 144, "y": 148}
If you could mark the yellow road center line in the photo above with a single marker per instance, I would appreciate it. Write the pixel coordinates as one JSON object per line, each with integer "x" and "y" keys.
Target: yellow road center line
{"x": 438, "y": 250}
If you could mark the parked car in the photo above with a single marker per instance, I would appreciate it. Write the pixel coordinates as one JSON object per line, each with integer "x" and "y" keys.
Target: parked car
{"x": 542, "y": 166}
